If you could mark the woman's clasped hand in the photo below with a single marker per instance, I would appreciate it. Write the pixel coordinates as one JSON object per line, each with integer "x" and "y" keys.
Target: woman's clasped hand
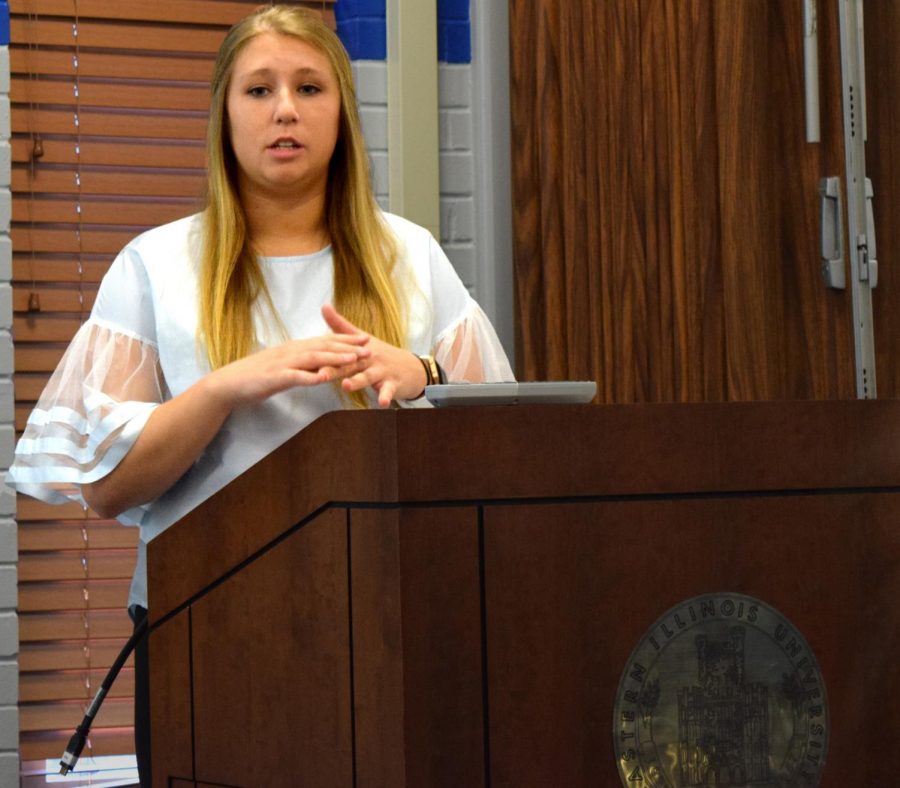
{"x": 349, "y": 355}
{"x": 297, "y": 362}
{"x": 392, "y": 372}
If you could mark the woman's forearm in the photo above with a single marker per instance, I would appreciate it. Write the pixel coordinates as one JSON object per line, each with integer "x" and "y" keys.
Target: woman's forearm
{"x": 174, "y": 436}
{"x": 180, "y": 429}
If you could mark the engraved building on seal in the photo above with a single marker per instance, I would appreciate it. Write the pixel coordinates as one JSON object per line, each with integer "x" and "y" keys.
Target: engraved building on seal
{"x": 723, "y": 720}
{"x": 722, "y": 690}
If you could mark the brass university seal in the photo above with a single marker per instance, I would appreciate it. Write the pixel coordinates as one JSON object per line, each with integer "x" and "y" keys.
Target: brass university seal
{"x": 721, "y": 691}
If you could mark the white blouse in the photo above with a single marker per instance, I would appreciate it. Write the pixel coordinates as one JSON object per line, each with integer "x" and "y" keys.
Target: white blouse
{"x": 139, "y": 348}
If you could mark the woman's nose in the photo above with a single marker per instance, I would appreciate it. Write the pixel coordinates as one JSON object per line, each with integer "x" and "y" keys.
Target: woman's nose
{"x": 286, "y": 107}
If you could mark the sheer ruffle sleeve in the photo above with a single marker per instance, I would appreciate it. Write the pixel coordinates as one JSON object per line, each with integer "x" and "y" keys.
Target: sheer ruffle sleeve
{"x": 89, "y": 415}
{"x": 446, "y": 321}
{"x": 470, "y": 352}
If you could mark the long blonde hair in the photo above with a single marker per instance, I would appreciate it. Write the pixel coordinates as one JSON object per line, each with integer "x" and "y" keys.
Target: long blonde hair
{"x": 363, "y": 247}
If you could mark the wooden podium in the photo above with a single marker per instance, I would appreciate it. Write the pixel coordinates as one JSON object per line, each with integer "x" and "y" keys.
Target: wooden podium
{"x": 451, "y": 597}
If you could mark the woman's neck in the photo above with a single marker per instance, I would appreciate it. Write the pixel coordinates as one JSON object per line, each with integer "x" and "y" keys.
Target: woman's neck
{"x": 288, "y": 226}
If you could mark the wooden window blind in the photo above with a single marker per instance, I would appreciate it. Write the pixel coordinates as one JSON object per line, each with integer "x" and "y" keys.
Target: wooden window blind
{"x": 109, "y": 107}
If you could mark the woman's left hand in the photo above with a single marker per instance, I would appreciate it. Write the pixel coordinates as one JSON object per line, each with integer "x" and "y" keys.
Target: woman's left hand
{"x": 392, "y": 372}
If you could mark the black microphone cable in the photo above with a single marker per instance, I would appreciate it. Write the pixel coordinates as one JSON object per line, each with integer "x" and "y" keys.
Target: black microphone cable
{"x": 77, "y": 742}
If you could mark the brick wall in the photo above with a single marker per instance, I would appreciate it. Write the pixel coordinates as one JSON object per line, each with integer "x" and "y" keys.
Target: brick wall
{"x": 9, "y": 628}
{"x": 361, "y": 25}
{"x": 456, "y": 159}
{"x": 457, "y": 169}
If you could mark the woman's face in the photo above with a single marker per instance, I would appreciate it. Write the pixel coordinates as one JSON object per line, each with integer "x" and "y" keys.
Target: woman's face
{"x": 283, "y": 109}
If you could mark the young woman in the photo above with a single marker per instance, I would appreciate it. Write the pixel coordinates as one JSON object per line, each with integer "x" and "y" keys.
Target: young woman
{"x": 217, "y": 337}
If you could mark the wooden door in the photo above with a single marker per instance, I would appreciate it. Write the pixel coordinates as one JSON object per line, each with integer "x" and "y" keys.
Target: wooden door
{"x": 666, "y": 214}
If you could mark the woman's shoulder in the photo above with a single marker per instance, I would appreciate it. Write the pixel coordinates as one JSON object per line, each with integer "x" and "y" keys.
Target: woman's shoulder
{"x": 155, "y": 256}
{"x": 161, "y": 254}
{"x": 406, "y": 230}
{"x": 148, "y": 270}
{"x": 416, "y": 246}
{"x": 167, "y": 236}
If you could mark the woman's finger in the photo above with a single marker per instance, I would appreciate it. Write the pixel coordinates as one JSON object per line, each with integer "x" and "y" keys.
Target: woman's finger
{"x": 386, "y": 393}
{"x": 323, "y": 358}
{"x": 359, "y": 380}
{"x": 339, "y": 371}
{"x": 337, "y": 322}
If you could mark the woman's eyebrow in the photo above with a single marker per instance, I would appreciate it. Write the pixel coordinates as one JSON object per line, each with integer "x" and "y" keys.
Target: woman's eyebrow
{"x": 304, "y": 71}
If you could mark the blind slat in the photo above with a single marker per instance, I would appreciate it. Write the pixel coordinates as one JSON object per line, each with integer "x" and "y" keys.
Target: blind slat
{"x": 22, "y": 412}
{"x": 36, "y": 359}
{"x": 27, "y": 239}
{"x": 41, "y": 328}
{"x": 188, "y": 68}
{"x": 115, "y": 94}
{"x": 30, "y": 386}
{"x": 56, "y": 300}
{"x": 72, "y": 565}
{"x": 197, "y": 11}
{"x": 97, "y": 123}
{"x": 114, "y": 713}
{"x": 108, "y": 212}
{"x": 171, "y": 155}
{"x": 31, "y": 509}
{"x": 35, "y": 627}
{"x": 56, "y": 269}
{"x": 48, "y": 745}
{"x": 68, "y": 655}
{"x": 136, "y": 184}
{"x": 61, "y": 534}
{"x": 70, "y": 685}
{"x": 70, "y": 595}
{"x": 44, "y": 32}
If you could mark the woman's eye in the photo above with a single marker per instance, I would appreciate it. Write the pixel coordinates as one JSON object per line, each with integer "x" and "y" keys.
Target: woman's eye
{"x": 308, "y": 90}
{"x": 257, "y": 90}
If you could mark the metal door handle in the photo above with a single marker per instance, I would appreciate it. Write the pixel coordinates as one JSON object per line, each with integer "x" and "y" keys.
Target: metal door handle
{"x": 832, "y": 240}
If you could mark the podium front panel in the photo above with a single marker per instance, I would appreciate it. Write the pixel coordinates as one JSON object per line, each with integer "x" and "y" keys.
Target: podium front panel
{"x": 381, "y": 621}
{"x": 573, "y": 588}
{"x": 417, "y": 658}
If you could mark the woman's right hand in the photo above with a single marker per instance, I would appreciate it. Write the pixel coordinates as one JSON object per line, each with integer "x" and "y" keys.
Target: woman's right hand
{"x": 299, "y": 362}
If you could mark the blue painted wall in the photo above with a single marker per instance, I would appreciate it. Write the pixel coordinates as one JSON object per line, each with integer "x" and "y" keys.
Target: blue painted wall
{"x": 454, "y": 31}
{"x": 4, "y": 23}
{"x": 361, "y": 26}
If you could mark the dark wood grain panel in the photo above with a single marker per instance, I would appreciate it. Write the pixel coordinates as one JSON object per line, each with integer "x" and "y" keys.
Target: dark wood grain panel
{"x": 526, "y": 193}
{"x": 609, "y": 571}
{"x": 378, "y": 696}
{"x": 584, "y": 450}
{"x": 273, "y": 677}
{"x": 622, "y": 297}
{"x": 684, "y": 228}
{"x": 417, "y": 647}
{"x": 752, "y": 290}
{"x": 170, "y": 687}
{"x": 441, "y": 604}
{"x": 666, "y": 203}
{"x": 776, "y": 307}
